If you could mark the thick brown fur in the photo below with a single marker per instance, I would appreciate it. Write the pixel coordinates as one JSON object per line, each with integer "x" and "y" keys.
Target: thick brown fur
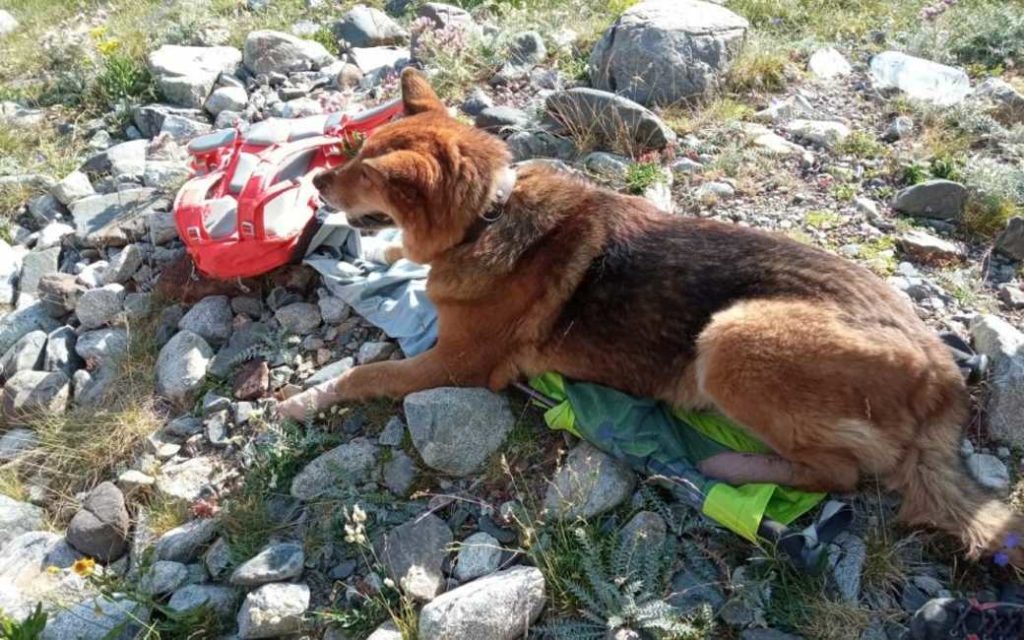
{"x": 814, "y": 355}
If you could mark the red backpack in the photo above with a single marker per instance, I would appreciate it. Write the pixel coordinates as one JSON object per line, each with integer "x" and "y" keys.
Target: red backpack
{"x": 251, "y": 198}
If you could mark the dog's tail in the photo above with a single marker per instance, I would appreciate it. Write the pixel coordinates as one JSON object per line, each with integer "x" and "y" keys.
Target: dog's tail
{"x": 938, "y": 491}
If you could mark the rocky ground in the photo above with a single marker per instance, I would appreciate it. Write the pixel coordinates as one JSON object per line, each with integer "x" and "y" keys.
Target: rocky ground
{"x": 146, "y": 490}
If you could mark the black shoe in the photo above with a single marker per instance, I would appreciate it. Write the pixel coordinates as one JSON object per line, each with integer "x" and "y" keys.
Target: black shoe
{"x": 967, "y": 619}
{"x": 972, "y": 365}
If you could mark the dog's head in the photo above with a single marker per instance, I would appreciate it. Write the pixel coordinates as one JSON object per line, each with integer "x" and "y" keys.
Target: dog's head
{"x": 427, "y": 173}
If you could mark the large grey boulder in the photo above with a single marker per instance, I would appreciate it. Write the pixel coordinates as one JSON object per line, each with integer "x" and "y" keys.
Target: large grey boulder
{"x": 273, "y": 610}
{"x": 346, "y": 465}
{"x": 100, "y": 528}
{"x": 588, "y": 483}
{"x": 279, "y": 52}
{"x": 181, "y": 365}
{"x": 939, "y": 199}
{"x": 456, "y": 429}
{"x": 365, "y": 26}
{"x": 413, "y": 554}
{"x": 113, "y": 218}
{"x": 501, "y": 606}
{"x": 186, "y": 75}
{"x": 608, "y": 121}
{"x": 920, "y": 79}
{"x": 1004, "y": 346}
{"x": 1010, "y": 241}
{"x": 17, "y": 518}
{"x": 664, "y": 51}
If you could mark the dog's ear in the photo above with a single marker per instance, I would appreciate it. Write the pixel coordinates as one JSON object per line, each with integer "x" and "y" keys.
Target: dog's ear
{"x": 417, "y": 95}
{"x": 398, "y": 168}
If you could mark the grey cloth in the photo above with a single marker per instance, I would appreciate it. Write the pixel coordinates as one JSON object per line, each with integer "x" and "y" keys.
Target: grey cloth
{"x": 392, "y": 297}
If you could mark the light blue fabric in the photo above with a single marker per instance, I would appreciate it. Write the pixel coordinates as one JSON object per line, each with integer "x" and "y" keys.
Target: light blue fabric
{"x": 393, "y": 297}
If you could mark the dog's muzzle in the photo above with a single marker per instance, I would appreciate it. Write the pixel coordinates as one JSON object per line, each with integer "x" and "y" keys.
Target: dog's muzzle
{"x": 370, "y": 221}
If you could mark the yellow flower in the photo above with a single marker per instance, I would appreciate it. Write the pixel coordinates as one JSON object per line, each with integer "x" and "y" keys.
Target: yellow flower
{"x": 109, "y": 46}
{"x": 52, "y": 570}
{"x": 84, "y": 567}
{"x": 98, "y": 32}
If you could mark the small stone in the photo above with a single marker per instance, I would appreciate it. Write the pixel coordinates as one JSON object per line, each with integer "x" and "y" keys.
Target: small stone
{"x": 185, "y": 481}
{"x": 588, "y": 483}
{"x": 454, "y": 429}
{"x": 989, "y": 471}
{"x": 25, "y": 355}
{"x": 939, "y": 199}
{"x": 252, "y": 381}
{"x": 1010, "y": 241}
{"x": 53, "y": 234}
{"x": 413, "y": 554}
{"x": 100, "y": 528}
{"x": 210, "y": 318}
{"x": 186, "y": 75}
{"x": 273, "y": 610}
{"x": 333, "y": 310}
{"x": 711, "y": 192}
{"x": 98, "y": 307}
{"x": 276, "y": 563}
{"x": 920, "y": 79}
{"x": 646, "y": 529}
{"x": 133, "y": 480}
{"x": 613, "y": 122}
{"x": 279, "y": 52}
{"x": 848, "y": 565}
{"x": 502, "y": 120}
{"x": 479, "y": 555}
{"x": 828, "y": 64}
{"x": 393, "y": 433}
{"x": 124, "y": 265}
{"x": 1012, "y": 295}
{"x": 374, "y": 352}
{"x": 928, "y": 249}
{"x": 300, "y": 318}
{"x": 399, "y": 473}
{"x": 350, "y": 464}
{"x": 184, "y": 543}
{"x": 228, "y": 98}
{"x": 163, "y": 577}
{"x": 14, "y": 444}
{"x": 181, "y": 366}
{"x": 218, "y": 558}
{"x": 59, "y": 293}
{"x": 497, "y": 607}
{"x": 901, "y": 127}
{"x": 824, "y": 133}
{"x": 8, "y": 23}
{"x": 102, "y": 345}
{"x": 1004, "y": 346}
{"x": 35, "y": 266}
{"x": 73, "y": 187}
{"x": 193, "y": 596}
{"x": 28, "y": 394}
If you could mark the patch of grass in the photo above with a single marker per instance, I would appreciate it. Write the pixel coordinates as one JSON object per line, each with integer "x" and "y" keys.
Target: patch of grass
{"x": 37, "y": 149}
{"x": 764, "y": 65}
{"x": 826, "y": 22}
{"x": 986, "y": 215}
{"x": 719, "y": 111}
{"x": 880, "y": 255}
{"x": 164, "y": 513}
{"x": 822, "y": 219}
{"x": 862, "y": 144}
{"x": 11, "y": 484}
{"x": 984, "y": 33}
{"x": 640, "y": 176}
{"x": 31, "y": 628}
{"x": 83, "y": 446}
{"x": 843, "y": 191}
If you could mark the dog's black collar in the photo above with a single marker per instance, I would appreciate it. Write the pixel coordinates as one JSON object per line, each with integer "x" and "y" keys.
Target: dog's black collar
{"x": 502, "y": 193}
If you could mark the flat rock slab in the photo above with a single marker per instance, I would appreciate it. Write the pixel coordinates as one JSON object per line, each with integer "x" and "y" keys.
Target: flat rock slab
{"x": 500, "y": 606}
{"x": 414, "y": 553}
{"x": 610, "y": 121}
{"x": 108, "y": 219}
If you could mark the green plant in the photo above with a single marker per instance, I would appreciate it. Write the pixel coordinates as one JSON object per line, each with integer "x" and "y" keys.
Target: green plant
{"x": 764, "y": 65}
{"x": 843, "y": 191}
{"x": 640, "y": 176}
{"x": 822, "y": 219}
{"x": 31, "y": 628}
{"x": 624, "y": 586}
{"x": 986, "y": 215}
{"x": 326, "y": 37}
{"x": 862, "y": 145}
{"x": 946, "y": 167}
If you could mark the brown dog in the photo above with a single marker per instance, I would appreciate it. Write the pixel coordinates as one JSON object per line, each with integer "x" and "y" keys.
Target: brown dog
{"x": 814, "y": 355}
